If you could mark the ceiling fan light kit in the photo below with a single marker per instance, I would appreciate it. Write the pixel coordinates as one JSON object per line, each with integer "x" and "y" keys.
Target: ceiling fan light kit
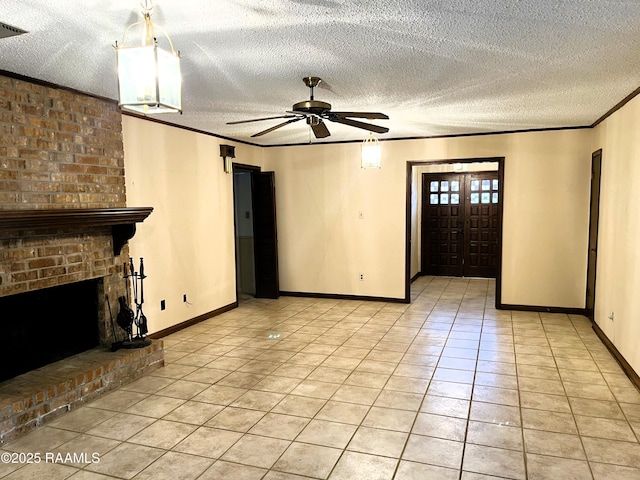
{"x": 370, "y": 152}
{"x": 315, "y": 112}
{"x": 149, "y": 79}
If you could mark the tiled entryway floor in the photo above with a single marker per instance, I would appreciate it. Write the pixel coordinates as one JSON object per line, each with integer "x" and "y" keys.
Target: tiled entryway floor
{"x": 444, "y": 388}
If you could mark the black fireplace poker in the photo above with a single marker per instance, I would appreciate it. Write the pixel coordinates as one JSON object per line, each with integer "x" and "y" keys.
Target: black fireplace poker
{"x": 127, "y": 317}
{"x": 116, "y": 344}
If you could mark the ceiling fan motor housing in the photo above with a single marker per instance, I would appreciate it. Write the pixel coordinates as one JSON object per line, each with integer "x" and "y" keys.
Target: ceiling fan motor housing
{"x": 312, "y": 106}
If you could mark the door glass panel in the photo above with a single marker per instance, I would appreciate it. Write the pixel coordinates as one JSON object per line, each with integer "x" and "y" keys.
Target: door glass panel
{"x": 455, "y": 199}
{"x": 475, "y": 185}
{"x": 444, "y": 186}
{"x": 494, "y": 199}
{"x": 434, "y": 186}
{"x": 495, "y": 185}
{"x": 486, "y": 184}
{"x": 475, "y": 198}
{"x": 433, "y": 199}
{"x": 486, "y": 197}
{"x": 455, "y": 186}
{"x": 444, "y": 198}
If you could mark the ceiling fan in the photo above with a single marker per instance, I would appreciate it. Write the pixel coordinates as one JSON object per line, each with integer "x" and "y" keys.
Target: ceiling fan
{"x": 315, "y": 111}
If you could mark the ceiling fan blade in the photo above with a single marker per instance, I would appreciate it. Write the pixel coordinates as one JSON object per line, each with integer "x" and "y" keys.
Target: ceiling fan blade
{"x": 306, "y": 114}
{"x": 370, "y": 115}
{"x": 260, "y": 119}
{"x": 357, "y": 124}
{"x": 325, "y": 86}
{"x": 320, "y": 130}
{"x": 269, "y": 130}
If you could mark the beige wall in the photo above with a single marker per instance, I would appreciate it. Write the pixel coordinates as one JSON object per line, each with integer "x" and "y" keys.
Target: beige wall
{"x": 618, "y": 267}
{"x": 188, "y": 240}
{"x": 323, "y": 245}
{"x": 546, "y": 206}
{"x": 546, "y": 203}
{"x": 337, "y": 221}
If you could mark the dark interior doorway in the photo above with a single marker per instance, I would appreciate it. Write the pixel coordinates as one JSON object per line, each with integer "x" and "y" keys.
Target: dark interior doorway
{"x": 243, "y": 202}
{"x": 460, "y": 224}
{"x": 594, "y": 215}
{"x": 256, "y": 232}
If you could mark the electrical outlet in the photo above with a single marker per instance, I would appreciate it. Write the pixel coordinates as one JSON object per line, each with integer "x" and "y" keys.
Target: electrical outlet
{"x": 361, "y": 277}
{"x": 184, "y": 298}
{"x": 163, "y": 305}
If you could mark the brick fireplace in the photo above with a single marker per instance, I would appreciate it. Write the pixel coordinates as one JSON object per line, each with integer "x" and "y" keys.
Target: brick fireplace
{"x": 64, "y": 220}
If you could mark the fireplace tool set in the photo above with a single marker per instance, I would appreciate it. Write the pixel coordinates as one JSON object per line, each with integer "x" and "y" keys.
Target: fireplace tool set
{"x": 127, "y": 318}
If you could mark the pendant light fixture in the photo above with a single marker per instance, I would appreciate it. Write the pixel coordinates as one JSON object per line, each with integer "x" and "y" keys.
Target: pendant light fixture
{"x": 149, "y": 79}
{"x": 370, "y": 152}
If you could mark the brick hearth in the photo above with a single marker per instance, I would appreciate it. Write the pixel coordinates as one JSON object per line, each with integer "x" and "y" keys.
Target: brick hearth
{"x": 28, "y": 400}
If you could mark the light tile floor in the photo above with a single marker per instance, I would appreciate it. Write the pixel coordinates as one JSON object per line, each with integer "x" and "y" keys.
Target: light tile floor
{"x": 444, "y": 388}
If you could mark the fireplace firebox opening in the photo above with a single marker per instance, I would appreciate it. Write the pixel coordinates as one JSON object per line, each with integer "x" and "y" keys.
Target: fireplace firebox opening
{"x": 47, "y": 325}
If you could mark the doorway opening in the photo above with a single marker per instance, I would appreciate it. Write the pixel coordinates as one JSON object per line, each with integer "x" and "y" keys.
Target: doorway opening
{"x": 472, "y": 230}
{"x": 243, "y": 203}
{"x": 255, "y": 232}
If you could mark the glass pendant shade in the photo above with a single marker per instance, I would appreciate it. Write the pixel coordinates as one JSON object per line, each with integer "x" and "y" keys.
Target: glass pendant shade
{"x": 149, "y": 79}
{"x": 370, "y": 153}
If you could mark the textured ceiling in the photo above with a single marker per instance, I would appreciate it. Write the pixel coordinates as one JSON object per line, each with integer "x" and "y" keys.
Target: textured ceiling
{"x": 435, "y": 67}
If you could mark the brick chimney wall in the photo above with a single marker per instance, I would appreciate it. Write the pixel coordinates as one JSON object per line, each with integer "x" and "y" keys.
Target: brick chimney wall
{"x": 60, "y": 149}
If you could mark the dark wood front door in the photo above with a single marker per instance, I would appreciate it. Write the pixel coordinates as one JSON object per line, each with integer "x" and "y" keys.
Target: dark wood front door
{"x": 460, "y": 226}
{"x": 264, "y": 233}
{"x": 443, "y": 220}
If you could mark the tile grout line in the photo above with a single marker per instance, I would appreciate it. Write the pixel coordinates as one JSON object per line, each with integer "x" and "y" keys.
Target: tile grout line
{"x": 473, "y": 384}
{"x": 344, "y": 450}
{"x": 329, "y": 399}
{"x": 406, "y": 442}
{"x": 515, "y": 359}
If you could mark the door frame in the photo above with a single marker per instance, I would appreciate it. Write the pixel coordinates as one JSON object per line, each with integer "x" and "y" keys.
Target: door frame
{"x": 594, "y": 220}
{"x": 501, "y": 165}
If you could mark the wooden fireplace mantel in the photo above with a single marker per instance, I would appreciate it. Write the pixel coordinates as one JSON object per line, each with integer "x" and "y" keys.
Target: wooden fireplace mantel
{"x": 121, "y": 220}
